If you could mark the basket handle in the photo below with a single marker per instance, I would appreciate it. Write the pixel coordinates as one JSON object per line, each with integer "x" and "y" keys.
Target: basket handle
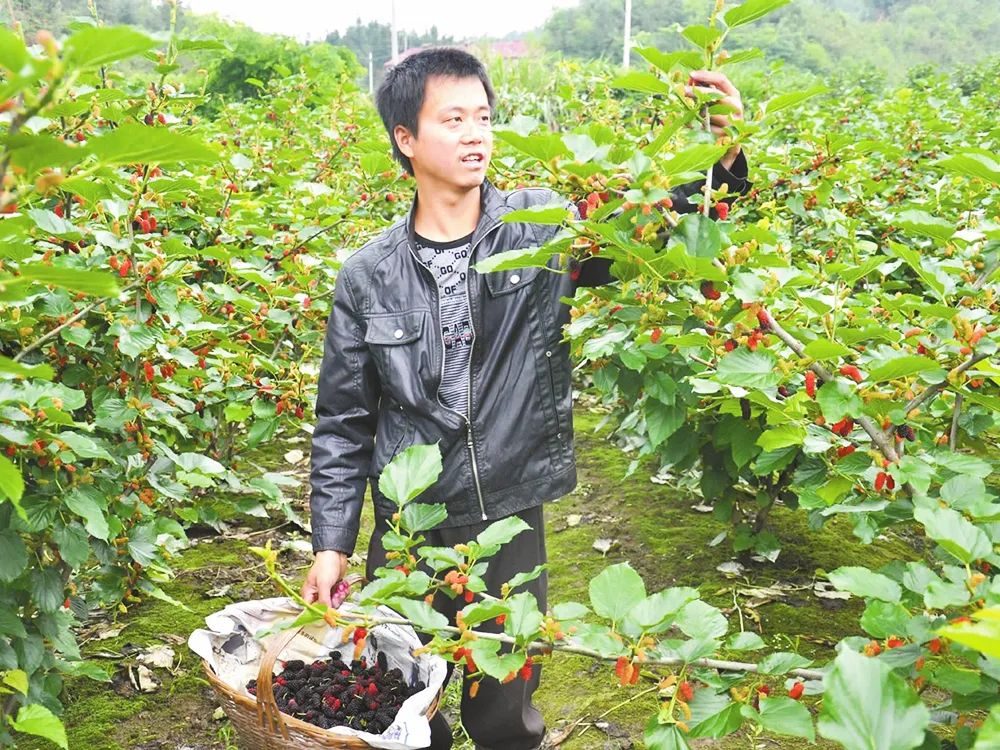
{"x": 268, "y": 713}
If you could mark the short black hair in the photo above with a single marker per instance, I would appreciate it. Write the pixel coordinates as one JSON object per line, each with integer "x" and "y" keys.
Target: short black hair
{"x": 401, "y": 93}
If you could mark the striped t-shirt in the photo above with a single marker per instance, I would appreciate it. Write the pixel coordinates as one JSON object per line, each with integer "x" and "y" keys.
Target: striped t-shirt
{"x": 449, "y": 263}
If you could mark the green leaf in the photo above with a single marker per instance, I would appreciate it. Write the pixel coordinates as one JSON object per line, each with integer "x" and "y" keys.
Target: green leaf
{"x": 921, "y": 222}
{"x": 423, "y": 616}
{"x": 142, "y": 543}
{"x": 916, "y": 261}
{"x": 93, "y": 46}
{"x": 543, "y": 147}
{"x": 17, "y": 679}
{"x": 11, "y": 481}
{"x": 745, "y": 641}
{"x": 900, "y": 367}
{"x": 83, "y": 446}
{"x": 983, "y": 635}
{"x": 13, "y": 55}
{"x": 786, "y": 716}
{"x": 972, "y": 164}
{"x": 700, "y": 36}
{"x": 709, "y": 720}
{"x": 96, "y": 283}
{"x": 524, "y": 619}
{"x": 500, "y": 532}
{"x": 641, "y": 81}
{"x": 839, "y": 399}
{"x": 700, "y": 235}
{"x": 883, "y": 619}
{"x": 662, "y": 420}
{"x": 654, "y": 613}
{"x": 529, "y": 575}
{"x": 497, "y": 665}
{"x": 751, "y": 10}
{"x": 13, "y": 555}
{"x": 663, "y": 736}
{"x": 868, "y": 707}
{"x": 748, "y": 369}
{"x": 957, "y": 679}
{"x": 781, "y": 437}
{"x": 782, "y": 662}
{"x": 615, "y": 591}
{"x": 510, "y": 260}
{"x": 84, "y": 502}
{"x": 10, "y": 367}
{"x": 866, "y": 583}
{"x": 47, "y": 589}
{"x": 748, "y": 287}
{"x": 411, "y": 472}
{"x": 954, "y": 533}
{"x": 422, "y": 516}
{"x": 553, "y": 215}
{"x": 478, "y": 612}
{"x": 824, "y": 349}
{"x": 133, "y": 143}
{"x": 792, "y": 99}
{"x": 700, "y": 620}
{"x": 37, "y": 720}
{"x": 696, "y": 158}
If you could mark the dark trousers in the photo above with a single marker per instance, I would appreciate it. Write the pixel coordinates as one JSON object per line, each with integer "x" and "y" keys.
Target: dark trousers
{"x": 501, "y": 716}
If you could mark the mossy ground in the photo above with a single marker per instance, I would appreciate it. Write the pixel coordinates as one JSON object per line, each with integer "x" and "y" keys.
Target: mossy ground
{"x": 655, "y": 530}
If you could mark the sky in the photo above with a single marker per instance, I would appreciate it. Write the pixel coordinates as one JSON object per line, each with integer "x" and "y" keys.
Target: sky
{"x": 309, "y": 20}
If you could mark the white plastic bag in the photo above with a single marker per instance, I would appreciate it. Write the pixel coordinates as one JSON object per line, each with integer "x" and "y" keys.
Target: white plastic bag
{"x": 229, "y": 646}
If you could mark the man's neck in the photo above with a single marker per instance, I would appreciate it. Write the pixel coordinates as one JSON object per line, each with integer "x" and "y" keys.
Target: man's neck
{"x": 444, "y": 215}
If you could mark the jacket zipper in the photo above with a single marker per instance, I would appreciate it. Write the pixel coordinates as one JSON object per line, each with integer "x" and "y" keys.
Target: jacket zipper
{"x": 470, "y": 442}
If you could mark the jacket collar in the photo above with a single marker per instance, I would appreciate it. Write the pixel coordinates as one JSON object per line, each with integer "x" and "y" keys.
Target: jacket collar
{"x": 492, "y": 205}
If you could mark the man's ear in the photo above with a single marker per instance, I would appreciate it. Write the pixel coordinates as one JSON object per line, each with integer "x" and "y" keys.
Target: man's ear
{"x": 404, "y": 140}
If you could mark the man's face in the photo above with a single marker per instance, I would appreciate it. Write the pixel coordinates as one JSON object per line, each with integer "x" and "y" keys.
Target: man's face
{"x": 455, "y": 140}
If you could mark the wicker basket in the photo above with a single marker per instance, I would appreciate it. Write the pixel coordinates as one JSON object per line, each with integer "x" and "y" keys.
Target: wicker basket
{"x": 261, "y": 726}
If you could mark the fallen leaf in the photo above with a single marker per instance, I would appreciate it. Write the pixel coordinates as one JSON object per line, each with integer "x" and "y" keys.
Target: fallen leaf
{"x": 158, "y": 656}
{"x": 218, "y": 591}
{"x": 730, "y": 568}
{"x": 142, "y": 679}
{"x": 604, "y": 546}
{"x": 294, "y": 456}
{"x": 573, "y": 519}
{"x": 702, "y": 508}
{"x": 826, "y": 590}
{"x": 109, "y": 631}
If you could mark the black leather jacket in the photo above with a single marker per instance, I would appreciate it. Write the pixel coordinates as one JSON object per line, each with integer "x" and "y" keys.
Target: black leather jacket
{"x": 382, "y": 364}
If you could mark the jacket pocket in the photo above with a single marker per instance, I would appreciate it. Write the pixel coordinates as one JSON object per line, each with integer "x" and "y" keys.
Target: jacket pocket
{"x": 395, "y": 329}
{"x": 403, "y": 351}
{"x": 500, "y": 283}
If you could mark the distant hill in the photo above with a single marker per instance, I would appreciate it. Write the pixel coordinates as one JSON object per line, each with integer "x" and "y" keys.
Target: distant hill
{"x": 821, "y": 36}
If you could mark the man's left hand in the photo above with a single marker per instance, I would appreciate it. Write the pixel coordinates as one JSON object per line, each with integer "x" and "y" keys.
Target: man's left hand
{"x": 708, "y": 80}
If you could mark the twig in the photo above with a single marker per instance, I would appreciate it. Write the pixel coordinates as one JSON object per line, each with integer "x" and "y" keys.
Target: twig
{"x": 543, "y": 648}
{"x": 933, "y": 390}
{"x": 55, "y": 331}
{"x": 953, "y": 437}
{"x": 874, "y": 432}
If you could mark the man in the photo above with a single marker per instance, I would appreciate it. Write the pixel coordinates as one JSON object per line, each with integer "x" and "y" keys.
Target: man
{"x": 420, "y": 348}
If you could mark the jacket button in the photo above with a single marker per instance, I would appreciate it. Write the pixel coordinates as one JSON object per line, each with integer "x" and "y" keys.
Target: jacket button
{"x": 514, "y": 279}
{"x": 548, "y": 354}
{"x": 398, "y": 333}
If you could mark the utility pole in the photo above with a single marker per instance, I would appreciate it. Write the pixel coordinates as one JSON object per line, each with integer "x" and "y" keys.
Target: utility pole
{"x": 395, "y": 33}
{"x": 371, "y": 73}
{"x": 627, "y": 43}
